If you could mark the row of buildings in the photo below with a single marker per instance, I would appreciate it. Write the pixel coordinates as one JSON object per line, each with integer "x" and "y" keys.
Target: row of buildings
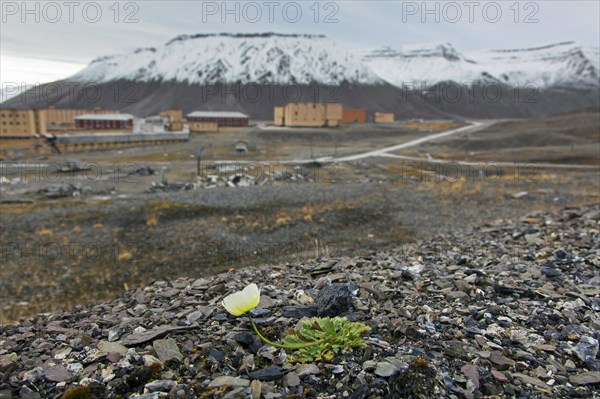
{"x": 324, "y": 115}
{"x": 26, "y": 123}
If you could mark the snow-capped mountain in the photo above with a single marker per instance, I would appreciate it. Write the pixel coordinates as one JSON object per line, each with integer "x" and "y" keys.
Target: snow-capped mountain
{"x": 271, "y": 58}
{"x": 178, "y": 75}
{"x": 230, "y": 58}
{"x": 557, "y": 65}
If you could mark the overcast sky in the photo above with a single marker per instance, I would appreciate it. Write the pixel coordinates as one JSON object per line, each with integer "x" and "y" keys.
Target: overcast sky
{"x": 46, "y": 41}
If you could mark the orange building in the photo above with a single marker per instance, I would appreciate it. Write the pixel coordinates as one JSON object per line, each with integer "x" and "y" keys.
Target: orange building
{"x": 350, "y": 115}
{"x": 309, "y": 115}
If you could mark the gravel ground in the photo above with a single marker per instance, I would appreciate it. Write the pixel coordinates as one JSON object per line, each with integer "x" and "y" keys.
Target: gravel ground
{"x": 69, "y": 251}
{"x": 509, "y": 309}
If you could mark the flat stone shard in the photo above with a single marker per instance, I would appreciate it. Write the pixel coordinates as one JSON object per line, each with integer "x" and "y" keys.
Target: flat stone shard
{"x": 167, "y": 349}
{"x": 225, "y": 380}
{"x": 385, "y": 369}
{"x": 57, "y": 374}
{"x": 145, "y": 336}
{"x": 588, "y": 378}
{"x": 111, "y": 347}
{"x": 271, "y": 373}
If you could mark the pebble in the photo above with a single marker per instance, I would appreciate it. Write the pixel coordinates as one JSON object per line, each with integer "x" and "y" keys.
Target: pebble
{"x": 226, "y": 380}
{"x": 501, "y": 361}
{"x": 167, "y": 349}
{"x": 588, "y": 378}
{"x": 499, "y": 376}
{"x": 292, "y": 379}
{"x": 307, "y": 369}
{"x": 160, "y": 385}
{"x": 472, "y": 373}
{"x": 334, "y": 300}
{"x": 111, "y": 347}
{"x": 255, "y": 389}
{"x": 385, "y": 369}
{"x": 57, "y": 374}
{"x": 270, "y": 373}
{"x": 587, "y": 348}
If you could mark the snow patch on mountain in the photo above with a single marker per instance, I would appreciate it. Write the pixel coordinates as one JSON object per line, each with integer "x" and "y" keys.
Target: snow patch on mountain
{"x": 226, "y": 58}
{"x": 556, "y": 65}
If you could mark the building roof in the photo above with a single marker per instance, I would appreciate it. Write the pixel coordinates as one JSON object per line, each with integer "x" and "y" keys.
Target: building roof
{"x": 216, "y": 114}
{"x": 106, "y": 117}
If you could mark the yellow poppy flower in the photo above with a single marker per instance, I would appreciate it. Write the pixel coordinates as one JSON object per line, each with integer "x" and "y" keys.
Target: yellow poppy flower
{"x": 243, "y": 301}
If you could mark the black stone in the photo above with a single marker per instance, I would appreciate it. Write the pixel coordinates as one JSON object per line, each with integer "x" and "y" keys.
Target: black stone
{"x": 560, "y": 254}
{"x": 216, "y": 355}
{"x": 271, "y": 373}
{"x": 334, "y": 300}
{"x": 593, "y": 364}
{"x": 220, "y": 317}
{"x": 244, "y": 338}
{"x": 259, "y": 312}
{"x": 550, "y": 272}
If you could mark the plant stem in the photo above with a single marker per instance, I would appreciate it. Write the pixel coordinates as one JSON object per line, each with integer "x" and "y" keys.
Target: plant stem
{"x": 299, "y": 346}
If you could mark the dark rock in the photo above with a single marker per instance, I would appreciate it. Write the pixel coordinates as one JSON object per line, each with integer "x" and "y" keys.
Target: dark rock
{"x": 334, "y": 300}
{"x": 550, "y": 272}
{"x": 140, "y": 376}
{"x": 160, "y": 385}
{"x": 271, "y": 373}
{"x": 216, "y": 355}
{"x": 244, "y": 338}
{"x": 586, "y": 348}
{"x": 259, "y": 312}
{"x": 298, "y": 312}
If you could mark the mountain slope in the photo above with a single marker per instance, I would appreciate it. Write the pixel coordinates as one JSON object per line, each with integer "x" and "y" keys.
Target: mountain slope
{"x": 225, "y": 58}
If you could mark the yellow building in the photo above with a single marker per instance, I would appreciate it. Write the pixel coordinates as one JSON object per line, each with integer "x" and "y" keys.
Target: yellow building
{"x": 309, "y": 115}
{"x": 30, "y": 122}
{"x": 279, "y": 116}
{"x": 213, "y": 121}
{"x": 21, "y": 123}
{"x": 203, "y": 127}
{"x": 175, "y": 119}
{"x": 383, "y": 117}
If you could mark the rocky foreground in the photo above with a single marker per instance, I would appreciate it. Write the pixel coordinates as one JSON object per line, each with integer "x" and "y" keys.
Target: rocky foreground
{"x": 508, "y": 310}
